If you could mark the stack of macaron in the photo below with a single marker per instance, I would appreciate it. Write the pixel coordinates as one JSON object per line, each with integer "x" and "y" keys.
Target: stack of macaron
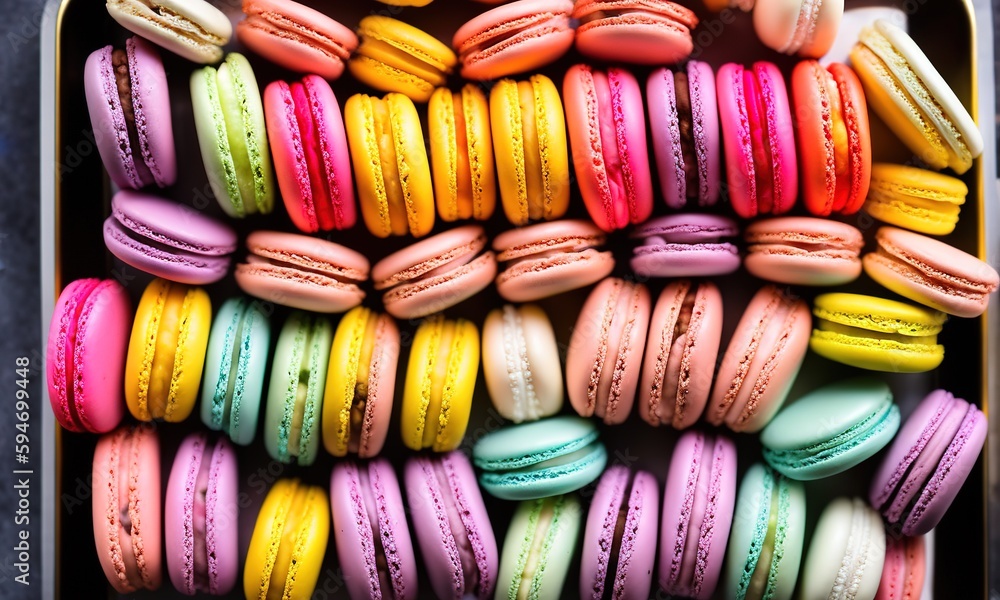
{"x": 354, "y": 352}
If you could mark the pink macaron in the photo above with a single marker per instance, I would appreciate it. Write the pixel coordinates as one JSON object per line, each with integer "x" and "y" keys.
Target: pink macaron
{"x": 514, "y": 38}
{"x": 684, "y": 122}
{"x": 129, "y": 104}
{"x": 803, "y": 251}
{"x": 605, "y": 351}
{"x": 309, "y": 147}
{"x": 436, "y": 273}
{"x": 698, "y": 505}
{"x": 85, "y": 355}
{"x": 201, "y": 517}
{"x": 683, "y": 343}
{"x": 685, "y": 245}
{"x": 607, "y": 134}
{"x": 759, "y": 139}
{"x": 619, "y": 542}
{"x": 452, "y": 526}
{"x": 374, "y": 548}
{"x": 634, "y": 31}
{"x": 904, "y": 569}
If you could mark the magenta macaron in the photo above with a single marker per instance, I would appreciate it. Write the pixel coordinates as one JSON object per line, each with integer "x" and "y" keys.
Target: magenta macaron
{"x": 201, "y": 517}
{"x": 686, "y": 245}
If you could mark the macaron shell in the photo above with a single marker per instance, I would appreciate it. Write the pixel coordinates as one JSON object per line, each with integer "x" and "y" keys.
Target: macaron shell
{"x": 151, "y": 103}
{"x": 847, "y": 550}
{"x": 192, "y": 29}
{"x": 634, "y": 32}
{"x": 542, "y": 566}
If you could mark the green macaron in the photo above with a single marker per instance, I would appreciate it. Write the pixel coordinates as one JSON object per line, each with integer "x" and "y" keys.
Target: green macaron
{"x": 229, "y": 119}
{"x": 295, "y": 394}
{"x": 539, "y": 548}
{"x": 235, "y": 364}
{"x": 831, "y": 429}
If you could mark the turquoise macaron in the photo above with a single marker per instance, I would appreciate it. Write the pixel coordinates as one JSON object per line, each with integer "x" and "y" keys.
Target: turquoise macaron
{"x": 295, "y": 394}
{"x": 541, "y": 458}
{"x": 767, "y": 535}
{"x": 831, "y": 429}
{"x": 235, "y": 364}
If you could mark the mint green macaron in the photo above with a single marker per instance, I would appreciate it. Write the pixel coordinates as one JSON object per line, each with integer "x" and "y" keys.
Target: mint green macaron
{"x": 539, "y": 548}
{"x": 831, "y": 429}
{"x": 295, "y": 394}
{"x": 232, "y": 136}
{"x": 235, "y": 364}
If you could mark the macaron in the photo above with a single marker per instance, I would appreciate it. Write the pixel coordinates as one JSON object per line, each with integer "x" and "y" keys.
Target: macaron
{"x": 634, "y": 31}
{"x": 458, "y": 124}
{"x": 766, "y": 540}
{"x": 201, "y": 517}
{"x": 831, "y": 429}
{"x": 288, "y": 542}
{"x": 607, "y": 133}
{"x": 232, "y": 136}
{"x": 311, "y": 160}
{"x": 929, "y": 460}
{"x": 295, "y": 393}
{"x": 846, "y": 553}
{"x": 126, "y": 508}
{"x": 369, "y": 527}
{"x": 436, "y": 273}
{"x": 804, "y": 27}
{"x": 698, "y": 506}
{"x": 192, "y": 29}
{"x": 302, "y": 272}
{"x": 605, "y": 351}
{"x": 296, "y": 37}
{"x": 517, "y": 37}
{"x": 877, "y": 334}
{"x": 916, "y": 199}
{"x": 391, "y": 168}
{"x": 904, "y": 568}
{"x": 167, "y": 239}
{"x": 85, "y": 355}
{"x": 542, "y": 458}
{"x": 684, "y": 123}
{"x": 360, "y": 383}
{"x": 529, "y": 140}
{"x": 546, "y": 259}
{"x": 685, "y": 332}
{"x": 906, "y": 90}
{"x": 440, "y": 381}
{"x": 394, "y": 56}
{"x": 166, "y": 351}
{"x": 452, "y": 526}
{"x": 931, "y": 272}
{"x": 129, "y": 104}
{"x": 685, "y": 245}
{"x": 761, "y": 361}
{"x": 619, "y": 540}
{"x": 803, "y": 251}
{"x": 235, "y": 364}
{"x": 521, "y": 363}
{"x": 759, "y": 139}
{"x": 835, "y": 147}
{"x": 539, "y": 547}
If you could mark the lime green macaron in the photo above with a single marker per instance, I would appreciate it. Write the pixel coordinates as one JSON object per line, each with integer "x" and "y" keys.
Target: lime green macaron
{"x": 229, "y": 119}
{"x": 916, "y": 199}
{"x": 539, "y": 548}
{"x": 876, "y": 333}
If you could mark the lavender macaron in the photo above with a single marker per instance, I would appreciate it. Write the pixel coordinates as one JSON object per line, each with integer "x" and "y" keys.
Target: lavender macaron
{"x": 685, "y": 245}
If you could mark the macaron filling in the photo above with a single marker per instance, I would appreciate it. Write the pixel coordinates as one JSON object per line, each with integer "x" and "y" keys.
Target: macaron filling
{"x": 200, "y": 561}
{"x": 618, "y": 534}
{"x": 362, "y": 408}
{"x": 672, "y": 378}
{"x": 302, "y": 268}
{"x": 760, "y": 572}
{"x": 292, "y": 516}
{"x": 300, "y": 418}
{"x": 123, "y": 512}
{"x": 505, "y": 35}
{"x": 388, "y": 576}
{"x": 69, "y": 355}
{"x": 913, "y": 268}
{"x": 526, "y": 403}
{"x": 473, "y": 564}
{"x": 662, "y": 14}
{"x": 763, "y": 146}
{"x": 685, "y": 126}
{"x": 805, "y": 26}
{"x": 160, "y": 367}
{"x": 535, "y": 469}
{"x": 323, "y": 205}
{"x": 122, "y": 62}
{"x": 536, "y": 545}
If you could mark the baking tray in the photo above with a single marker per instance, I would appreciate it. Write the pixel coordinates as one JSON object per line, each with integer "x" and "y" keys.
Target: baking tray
{"x": 76, "y": 197}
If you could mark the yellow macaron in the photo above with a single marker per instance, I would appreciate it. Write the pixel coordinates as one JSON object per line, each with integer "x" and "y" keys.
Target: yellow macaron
{"x": 529, "y": 140}
{"x": 288, "y": 542}
{"x": 916, "y": 199}
{"x": 462, "y": 153}
{"x": 394, "y": 56}
{"x": 391, "y": 169}
{"x": 166, "y": 353}
{"x": 440, "y": 380}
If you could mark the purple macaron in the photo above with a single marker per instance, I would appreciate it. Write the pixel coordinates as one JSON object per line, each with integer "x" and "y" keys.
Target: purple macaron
{"x": 685, "y": 245}
{"x": 452, "y": 526}
{"x": 684, "y": 119}
{"x": 369, "y": 526}
{"x": 698, "y": 504}
{"x": 129, "y": 106}
{"x": 928, "y": 462}
{"x": 168, "y": 239}
{"x": 619, "y": 544}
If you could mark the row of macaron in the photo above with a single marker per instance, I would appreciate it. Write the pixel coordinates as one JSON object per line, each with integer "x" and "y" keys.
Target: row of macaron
{"x": 550, "y": 466}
